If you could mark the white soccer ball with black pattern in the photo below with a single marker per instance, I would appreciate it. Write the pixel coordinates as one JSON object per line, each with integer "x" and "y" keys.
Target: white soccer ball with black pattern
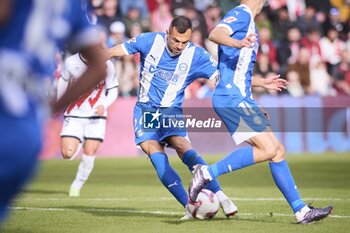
{"x": 206, "y": 206}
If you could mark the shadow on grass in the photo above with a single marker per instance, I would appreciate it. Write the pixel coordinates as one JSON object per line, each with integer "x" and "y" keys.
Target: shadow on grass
{"x": 122, "y": 212}
{"x": 168, "y": 218}
{"x": 42, "y": 191}
{"x": 241, "y": 219}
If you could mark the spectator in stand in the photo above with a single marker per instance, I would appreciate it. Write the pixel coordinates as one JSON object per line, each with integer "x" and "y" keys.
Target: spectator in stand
{"x": 192, "y": 90}
{"x": 125, "y": 5}
{"x": 277, "y": 4}
{"x": 294, "y": 87}
{"x": 202, "y": 5}
{"x": 342, "y": 75}
{"x": 124, "y": 66}
{"x": 161, "y": 17}
{"x": 302, "y": 67}
{"x": 312, "y": 42}
{"x": 280, "y": 23}
{"x": 134, "y": 17}
{"x": 331, "y": 48}
{"x": 212, "y": 16}
{"x": 261, "y": 20}
{"x": 321, "y": 6}
{"x": 308, "y": 21}
{"x": 153, "y": 4}
{"x": 263, "y": 65}
{"x": 321, "y": 82}
{"x": 117, "y": 35}
{"x": 178, "y": 6}
{"x": 197, "y": 20}
{"x": 262, "y": 69}
{"x": 227, "y": 5}
{"x": 288, "y": 51}
{"x": 109, "y": 13}
{"x": 267, "y": 47}
{"x": 296, "y": 8}
{"x": 97, "y": 7}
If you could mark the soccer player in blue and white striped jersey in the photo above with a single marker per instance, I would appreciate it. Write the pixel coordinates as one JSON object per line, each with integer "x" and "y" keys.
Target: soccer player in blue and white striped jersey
{"x": 244, "y": 119}
{"x": 30, "y": 33}
{"x": 169, "y": 63}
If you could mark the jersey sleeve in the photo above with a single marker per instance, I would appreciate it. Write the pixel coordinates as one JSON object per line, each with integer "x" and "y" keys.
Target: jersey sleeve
{"x": 138, "y": 44}
{"x": 207, "y": 66}
{"x": 235, "y": 20}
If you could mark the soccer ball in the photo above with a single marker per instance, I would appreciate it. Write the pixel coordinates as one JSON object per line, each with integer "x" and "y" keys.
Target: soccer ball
{"x": 206, "y": 206}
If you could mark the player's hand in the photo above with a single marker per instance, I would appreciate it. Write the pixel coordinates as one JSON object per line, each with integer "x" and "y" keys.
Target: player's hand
{"x": 99, "y": 110}
{"x": 275, "y": 83}
{"x": 248, "y": 42}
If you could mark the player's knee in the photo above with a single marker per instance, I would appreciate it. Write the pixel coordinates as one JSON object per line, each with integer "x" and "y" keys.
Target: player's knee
{"x": 90, "y": 151}
{"x": 281, "y": 152}
{"x": 67, "y": 153}
{"x": 180, "y": 144}
{"x": 270, "y": 152}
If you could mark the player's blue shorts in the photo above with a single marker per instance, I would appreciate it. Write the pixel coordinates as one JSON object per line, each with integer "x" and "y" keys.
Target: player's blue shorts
{"x": 243, "y": 118}
{"x": 152, "y": 125}
{"x": 20, "y": 145}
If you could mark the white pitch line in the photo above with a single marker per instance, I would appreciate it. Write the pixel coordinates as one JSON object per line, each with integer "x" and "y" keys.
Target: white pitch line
{"x": 170, "y": 198}
{"x": 150, "y": 212}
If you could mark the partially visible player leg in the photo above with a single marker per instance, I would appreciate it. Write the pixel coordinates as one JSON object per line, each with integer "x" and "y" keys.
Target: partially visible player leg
{"x": 266, "y": 147}
{"x": 191, "y": 158}
{"x": 70, "y": 146}
{"x": 284, "y": 180}
{"x": 166, "y": 174}
{"x": 85, "y": 167}
{"x": 17, "y": 163}
{"x": 72, "y": 136}
{"x": 242, "y": 120}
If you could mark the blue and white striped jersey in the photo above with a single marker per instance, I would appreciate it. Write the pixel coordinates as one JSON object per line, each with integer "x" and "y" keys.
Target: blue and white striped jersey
{"x": 236, "y": 65}
{"x": 37, "y": 28}
{"x": 163, "y": 77}
{"x": 29, "y": 39}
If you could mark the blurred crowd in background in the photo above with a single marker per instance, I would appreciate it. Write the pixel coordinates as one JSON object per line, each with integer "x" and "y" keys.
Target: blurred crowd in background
{"x": 307, "y": 42}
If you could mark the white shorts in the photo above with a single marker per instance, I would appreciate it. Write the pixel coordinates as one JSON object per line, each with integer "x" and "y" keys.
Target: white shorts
{"x": 84, "y": 128}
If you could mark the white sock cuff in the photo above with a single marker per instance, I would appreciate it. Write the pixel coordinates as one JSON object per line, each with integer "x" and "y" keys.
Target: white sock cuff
{"x": 88, "y": 158}
{"x": 301, "y": 213}
{"x": 221, "y": 195}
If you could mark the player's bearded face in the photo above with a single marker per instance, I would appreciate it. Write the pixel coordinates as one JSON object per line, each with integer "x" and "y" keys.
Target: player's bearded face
{"x": 178, "y": 41}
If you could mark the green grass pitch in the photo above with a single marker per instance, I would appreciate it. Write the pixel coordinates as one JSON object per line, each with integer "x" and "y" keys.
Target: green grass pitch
{"x": 124, "y": 195}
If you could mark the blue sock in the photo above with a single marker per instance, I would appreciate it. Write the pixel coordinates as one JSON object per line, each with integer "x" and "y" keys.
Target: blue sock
{"x": 191, "y": 158}
{"x": 240, "y": 158}
{"x": 169, "y": 177}
{"x": 285, "y": 182}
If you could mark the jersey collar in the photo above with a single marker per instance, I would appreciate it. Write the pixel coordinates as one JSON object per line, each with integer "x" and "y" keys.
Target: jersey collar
{"x": 167, "y": 48}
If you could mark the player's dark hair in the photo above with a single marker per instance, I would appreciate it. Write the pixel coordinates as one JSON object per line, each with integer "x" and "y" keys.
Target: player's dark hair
{"x": 181, "y": 23}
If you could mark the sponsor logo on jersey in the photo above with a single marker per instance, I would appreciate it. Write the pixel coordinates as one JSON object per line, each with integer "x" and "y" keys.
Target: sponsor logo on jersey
{"x": 230, "y": 19}
{"x": 132, "y": 40}
{"x": 183, "y": 67}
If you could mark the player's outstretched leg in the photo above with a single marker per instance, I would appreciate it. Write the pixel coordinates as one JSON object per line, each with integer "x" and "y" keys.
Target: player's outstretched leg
{"x": 191, "y": 159}
{"x": 284, "y": 180}
{"x": 202, "y": 175}
{"x": 169, "y": 177}
{"x": 84, "y": 170}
